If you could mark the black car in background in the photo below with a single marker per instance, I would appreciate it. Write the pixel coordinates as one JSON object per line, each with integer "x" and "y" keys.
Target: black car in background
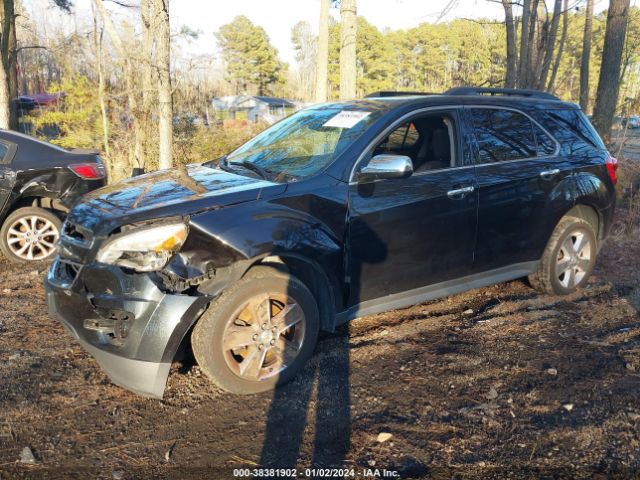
{"x": 338, "y": 211}
{"x": 39, "y": 181}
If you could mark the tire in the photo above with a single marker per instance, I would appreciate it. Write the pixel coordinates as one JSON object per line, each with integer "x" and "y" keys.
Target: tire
{"x": 20, "y": 244}
{"x": 567, "y": 261}
{"x": 237, "y": 317}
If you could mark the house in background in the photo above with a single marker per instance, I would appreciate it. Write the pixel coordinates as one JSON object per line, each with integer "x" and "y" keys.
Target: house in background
{"x": 252, "y": 107}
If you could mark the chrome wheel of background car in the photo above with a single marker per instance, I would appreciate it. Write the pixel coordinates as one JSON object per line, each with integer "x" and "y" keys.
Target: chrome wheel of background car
{"x": 264, "y": 336}
{"x": 574, "y": 259}
{"x": 32, "y": 237}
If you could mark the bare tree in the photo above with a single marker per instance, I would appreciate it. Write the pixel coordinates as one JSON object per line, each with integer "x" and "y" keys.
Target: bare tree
{"x": 97, "y": 43}
{"x": 143, "y": 134}
{"x": 8, "y": 71}
{"x": 535, "y": 42}
{"x": 609, "y": 81}
{"x": 348, "y": 30}
{"x": 512, "y": 52}
{"x": 563, "y": 39}
{"x": 549, "y": 45}
{"x": 165, "y": 102}
{"x": 586, "y": 56}
{"x": 523, "y": 62}
{"x": 136, "y": 155}
{"x": 323, "y": 53}
{"x": 530, "y": 63}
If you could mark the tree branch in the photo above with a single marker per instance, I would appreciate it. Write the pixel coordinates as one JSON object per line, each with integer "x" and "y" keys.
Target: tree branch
{"x": 122, "y": 4}
{"x": 30, "y": 46}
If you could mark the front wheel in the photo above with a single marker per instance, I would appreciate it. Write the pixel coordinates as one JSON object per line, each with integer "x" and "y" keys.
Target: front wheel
{"x": 568, "y": 259}
{"x": 29, "y": 234}
{"x": 258, "y": 333}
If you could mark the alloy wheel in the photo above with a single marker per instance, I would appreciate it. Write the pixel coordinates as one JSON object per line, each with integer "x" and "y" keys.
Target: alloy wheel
{"x": 264, "y": 336}
{"x": 32, "y": 237}
{"x": 574, "y": 259}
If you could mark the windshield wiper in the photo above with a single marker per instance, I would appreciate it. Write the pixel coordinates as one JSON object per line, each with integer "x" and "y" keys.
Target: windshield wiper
{"x": 220, "y": 163}
{"x": 263, "y": 173}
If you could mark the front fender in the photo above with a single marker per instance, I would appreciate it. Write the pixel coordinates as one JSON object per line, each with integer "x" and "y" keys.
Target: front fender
{"x": 250, "y": 231}
{"x": 223, "y": 244}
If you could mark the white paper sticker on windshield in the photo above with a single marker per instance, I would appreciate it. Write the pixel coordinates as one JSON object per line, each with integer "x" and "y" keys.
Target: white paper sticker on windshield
{"x": 346, "y": 119}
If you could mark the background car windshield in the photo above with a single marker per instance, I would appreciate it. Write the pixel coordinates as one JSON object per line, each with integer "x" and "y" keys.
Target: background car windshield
{"x": 306, "y": 142}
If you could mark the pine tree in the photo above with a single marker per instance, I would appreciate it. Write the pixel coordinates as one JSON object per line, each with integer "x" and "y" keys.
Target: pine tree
{"x": 250, "y": 58}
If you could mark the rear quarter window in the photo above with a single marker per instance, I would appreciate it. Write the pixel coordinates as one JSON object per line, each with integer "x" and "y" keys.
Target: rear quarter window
{"x": 574, "y": 132}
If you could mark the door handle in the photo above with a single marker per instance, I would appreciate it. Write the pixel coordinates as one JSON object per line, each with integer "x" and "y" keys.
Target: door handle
{"x": 548, "y": 174}
{"x": 460, "y": 193}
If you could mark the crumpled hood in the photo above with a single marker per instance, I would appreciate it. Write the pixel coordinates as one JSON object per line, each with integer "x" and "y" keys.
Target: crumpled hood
{"x": 173, "y": 192}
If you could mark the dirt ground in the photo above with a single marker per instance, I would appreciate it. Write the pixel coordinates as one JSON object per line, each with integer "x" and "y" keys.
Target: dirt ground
{"x": 499, "y": 382}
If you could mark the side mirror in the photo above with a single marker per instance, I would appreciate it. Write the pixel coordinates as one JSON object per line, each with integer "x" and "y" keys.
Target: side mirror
{"x": 385, "y": 166}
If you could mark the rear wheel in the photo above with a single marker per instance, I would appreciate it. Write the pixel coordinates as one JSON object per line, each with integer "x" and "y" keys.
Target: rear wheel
{"x": 259, "y": 333}
{"x": 568, "y": 259}
{"x": 29, "y": 234}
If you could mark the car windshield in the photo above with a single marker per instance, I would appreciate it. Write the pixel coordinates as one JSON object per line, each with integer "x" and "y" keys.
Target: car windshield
{"x": 304, "y": 143}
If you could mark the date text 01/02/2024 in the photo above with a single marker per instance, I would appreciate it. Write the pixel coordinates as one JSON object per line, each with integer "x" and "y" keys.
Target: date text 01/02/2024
{"x": 314, "y": 473}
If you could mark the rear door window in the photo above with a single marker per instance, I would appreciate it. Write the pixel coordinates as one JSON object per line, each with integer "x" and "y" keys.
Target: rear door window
{"x": 503, "y": 135}
{"x": 546, "y": 146}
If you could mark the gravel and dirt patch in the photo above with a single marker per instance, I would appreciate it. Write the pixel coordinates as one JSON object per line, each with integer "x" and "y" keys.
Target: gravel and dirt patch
{"x": 499, "y": 382}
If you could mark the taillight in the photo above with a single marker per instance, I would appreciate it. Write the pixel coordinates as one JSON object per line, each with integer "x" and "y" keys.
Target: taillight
{"x": 88, "y": 171}
{"x": 612, "y": 168}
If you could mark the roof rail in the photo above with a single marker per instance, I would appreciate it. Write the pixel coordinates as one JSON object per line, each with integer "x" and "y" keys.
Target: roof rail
{"x": 518, "y": 92}
{"x": 389, "y": 93}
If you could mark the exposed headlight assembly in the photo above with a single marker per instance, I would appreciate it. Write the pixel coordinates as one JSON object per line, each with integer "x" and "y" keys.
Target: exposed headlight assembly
{"x": 144, "y": 250}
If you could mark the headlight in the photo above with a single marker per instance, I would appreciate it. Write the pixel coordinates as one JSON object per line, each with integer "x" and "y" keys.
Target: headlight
{"x": 144, "y": 250}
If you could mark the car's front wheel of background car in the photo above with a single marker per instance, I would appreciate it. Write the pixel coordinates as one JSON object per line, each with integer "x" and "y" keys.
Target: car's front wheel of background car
{"x": 258, "y": 333}
{"x": 568, "y": 259}
{"x": 29, "y": 234}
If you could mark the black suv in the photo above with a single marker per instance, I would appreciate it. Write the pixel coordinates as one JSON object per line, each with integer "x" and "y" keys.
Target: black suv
{"x": 39, "y": 182}
{"x": 338, "y": 211}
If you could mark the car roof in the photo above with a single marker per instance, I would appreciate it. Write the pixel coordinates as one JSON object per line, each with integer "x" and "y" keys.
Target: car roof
{"x": 513, "y": 101}
{"x": 21, "y": 139}
{"x": 31, "y": 153}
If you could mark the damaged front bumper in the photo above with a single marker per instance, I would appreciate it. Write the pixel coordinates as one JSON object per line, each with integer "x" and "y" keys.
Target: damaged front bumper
{"x": 127, "y": 322}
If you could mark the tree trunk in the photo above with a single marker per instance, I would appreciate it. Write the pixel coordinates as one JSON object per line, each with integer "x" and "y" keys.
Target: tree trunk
{"x": 323, "y": 53}
{"x": 550, "y": 45}
{"x": 586, "y": 56}
{"x": 563, "y": 38}
{"x": 8, "y": 116}
{"x": 12, "y": 65}
{"x": 510, "y": 78}
{"x": 4, "y": 97}
{"x": 348, "y": 29}
{"x": 609, "y": 81}
{"x": 523, "y": 64}
{"x": 165, "y": 102}
{"x": 149, "y": 17}
{"x": 97, "y": 42}
{"x": 136, "y": 155}
{"x": 537, "y": 35}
